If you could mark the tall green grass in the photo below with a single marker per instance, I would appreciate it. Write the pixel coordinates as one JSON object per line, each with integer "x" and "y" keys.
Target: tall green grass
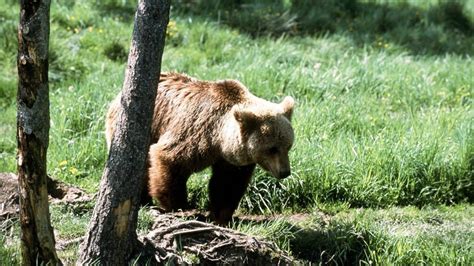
{"x": 422, "y": 27}
{"x": 384, "y": 115}
{"x": 393, "y": 236}
{"x": 377, "y": 123}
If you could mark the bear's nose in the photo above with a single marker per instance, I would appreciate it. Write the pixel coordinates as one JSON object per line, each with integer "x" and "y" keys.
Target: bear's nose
{"x": 285, "y": 174}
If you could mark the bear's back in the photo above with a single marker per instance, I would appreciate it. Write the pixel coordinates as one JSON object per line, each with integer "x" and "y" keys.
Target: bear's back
{"x": 223, "y": 93}
{"x": 191, "y": 110}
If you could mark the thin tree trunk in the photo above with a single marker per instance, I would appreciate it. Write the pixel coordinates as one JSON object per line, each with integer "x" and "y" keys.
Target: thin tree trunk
{"x": 37, "y": 239}
{"x": 111, "y": 238}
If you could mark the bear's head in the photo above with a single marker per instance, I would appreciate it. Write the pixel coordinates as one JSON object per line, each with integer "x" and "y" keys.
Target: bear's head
{"x": 267, "y": 135}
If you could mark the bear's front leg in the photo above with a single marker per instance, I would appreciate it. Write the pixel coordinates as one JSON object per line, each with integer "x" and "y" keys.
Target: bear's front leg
{"x": 167, "y": 181}
{"x": 226, "y": 188}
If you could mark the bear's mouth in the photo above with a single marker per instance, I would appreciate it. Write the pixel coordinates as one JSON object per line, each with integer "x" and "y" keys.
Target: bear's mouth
{"x": 275, "y": 167}
{"x": 275, "y": 173}
{"x": 284, "y": 174}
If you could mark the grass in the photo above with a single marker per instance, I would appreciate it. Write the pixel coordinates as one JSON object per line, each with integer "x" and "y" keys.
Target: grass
{"x": 384, "y": 114}
{"x": 401, "y": 236}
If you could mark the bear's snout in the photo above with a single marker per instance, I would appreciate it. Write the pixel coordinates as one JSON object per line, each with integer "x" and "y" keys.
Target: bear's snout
{"x": 284, "y": 174}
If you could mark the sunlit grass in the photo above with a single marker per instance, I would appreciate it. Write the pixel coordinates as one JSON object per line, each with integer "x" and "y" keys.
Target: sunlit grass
{"x": 383, "y": 118}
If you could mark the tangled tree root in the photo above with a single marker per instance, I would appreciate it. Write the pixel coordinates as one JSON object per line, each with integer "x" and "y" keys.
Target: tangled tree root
{"x": 191, "y": 242}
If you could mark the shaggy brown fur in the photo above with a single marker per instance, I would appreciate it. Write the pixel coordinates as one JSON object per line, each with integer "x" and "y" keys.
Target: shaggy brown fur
{"x": 195, "y": 125}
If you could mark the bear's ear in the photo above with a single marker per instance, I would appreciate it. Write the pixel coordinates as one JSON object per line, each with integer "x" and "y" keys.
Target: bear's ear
{"x": 247, "y": 119}
{"x": 288, "y": 104}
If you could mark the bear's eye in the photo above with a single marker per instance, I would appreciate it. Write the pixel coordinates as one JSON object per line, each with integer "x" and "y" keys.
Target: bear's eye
{"x": 273, "y": 150}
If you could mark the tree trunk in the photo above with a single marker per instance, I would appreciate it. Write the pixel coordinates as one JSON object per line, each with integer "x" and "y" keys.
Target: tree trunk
{"x": 37, "y": 239}
{"x": 111, "y": 238}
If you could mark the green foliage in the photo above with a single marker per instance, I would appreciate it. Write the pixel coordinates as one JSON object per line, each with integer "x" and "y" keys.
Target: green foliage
{"x": 395, "y": 236}
{"x": 423, "y": 27}
{"x": 375, "y": 125}
{"x": 9, "y": 254}
{"x": 145, "y": 220}
{"x": 9, "y": 242}
{"x": 116, "y": 52}
{"x": 384, "y": 115}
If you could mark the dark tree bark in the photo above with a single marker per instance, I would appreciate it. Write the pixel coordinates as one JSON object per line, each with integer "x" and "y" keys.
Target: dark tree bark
{"x": 111, "y": 238}
{"x": 37, "y": 239}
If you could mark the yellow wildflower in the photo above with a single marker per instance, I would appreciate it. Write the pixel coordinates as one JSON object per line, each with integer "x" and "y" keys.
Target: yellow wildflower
{"x": 73, "y": 170}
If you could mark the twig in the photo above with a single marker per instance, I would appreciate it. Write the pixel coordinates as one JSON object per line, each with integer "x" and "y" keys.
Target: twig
{"x": 62, "y": 245}
{"x": 192, "y": 231}
{"x": 223, "y": 244}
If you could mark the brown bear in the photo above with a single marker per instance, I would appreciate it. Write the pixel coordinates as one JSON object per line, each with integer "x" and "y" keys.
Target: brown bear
{"x": 197, "y": 124}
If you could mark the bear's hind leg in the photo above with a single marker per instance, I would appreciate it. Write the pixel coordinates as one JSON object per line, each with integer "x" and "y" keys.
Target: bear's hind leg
{"x": 167, "y": 182}
{"x": 226, "y": 188}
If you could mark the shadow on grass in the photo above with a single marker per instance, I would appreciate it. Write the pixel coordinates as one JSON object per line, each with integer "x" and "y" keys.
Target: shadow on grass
{"x": 340, "y": 243}
{"x": 326, "y": 241}
{"x": 335, "y": 245}
{"x": 123, "y": 9}
{"x": 439, "y": 29}
{"x": 442, "y": 28}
